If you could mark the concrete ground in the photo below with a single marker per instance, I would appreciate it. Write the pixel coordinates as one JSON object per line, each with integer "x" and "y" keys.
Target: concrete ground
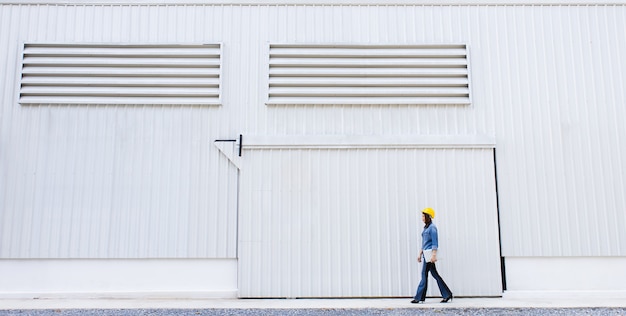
{"x": 507, "y": 302}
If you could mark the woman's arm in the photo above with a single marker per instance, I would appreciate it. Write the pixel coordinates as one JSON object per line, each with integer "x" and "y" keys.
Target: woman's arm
{"x": 434, "y": 236}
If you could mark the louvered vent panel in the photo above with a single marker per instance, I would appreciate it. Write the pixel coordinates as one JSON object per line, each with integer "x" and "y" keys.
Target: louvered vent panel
{"x": 368, "y": 74}
{"x": 120, "y": 74}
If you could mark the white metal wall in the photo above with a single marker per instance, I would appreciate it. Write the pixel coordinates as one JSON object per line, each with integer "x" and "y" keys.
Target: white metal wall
{"x": 547, "y": 82}
{"x": 561, "y": 142}
{"x": 114, "y": 182}
{"x": 346, "y": 222}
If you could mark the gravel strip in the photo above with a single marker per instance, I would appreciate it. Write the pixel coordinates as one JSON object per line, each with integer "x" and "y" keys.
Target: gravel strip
{"x": 322, "y": 312}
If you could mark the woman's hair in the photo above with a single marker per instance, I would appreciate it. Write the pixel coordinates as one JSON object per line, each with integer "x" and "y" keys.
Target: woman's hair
{"x": 427, "y": 220}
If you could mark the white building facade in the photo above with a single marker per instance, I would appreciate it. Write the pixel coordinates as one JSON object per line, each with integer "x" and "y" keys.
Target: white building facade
{"x": 285, "y": 148}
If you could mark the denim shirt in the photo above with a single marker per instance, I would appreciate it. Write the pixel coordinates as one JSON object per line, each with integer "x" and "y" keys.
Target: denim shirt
{"x": 429, "y": 237}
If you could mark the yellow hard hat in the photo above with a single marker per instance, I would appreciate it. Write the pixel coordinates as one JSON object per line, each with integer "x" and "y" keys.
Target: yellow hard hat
{"x": 429, "y": 211}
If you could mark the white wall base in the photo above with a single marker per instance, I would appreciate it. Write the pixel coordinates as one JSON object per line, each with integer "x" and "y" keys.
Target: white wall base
{"x": 565, "y": 276}
{"x": 118, "y": 278}
{"x": 557, "y": 295}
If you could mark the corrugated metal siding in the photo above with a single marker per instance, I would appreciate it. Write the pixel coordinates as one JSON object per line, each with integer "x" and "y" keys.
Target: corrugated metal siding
{"x": 547, "y": 81}
{"x": 116, "y": 182}
{"x": 346, "y": 222}
{"x": 561, "y": 152}
{"x": 108, "y": 181}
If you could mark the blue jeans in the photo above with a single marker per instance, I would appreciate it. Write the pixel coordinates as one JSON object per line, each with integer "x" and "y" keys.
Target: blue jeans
{"x": 423, "y": 286}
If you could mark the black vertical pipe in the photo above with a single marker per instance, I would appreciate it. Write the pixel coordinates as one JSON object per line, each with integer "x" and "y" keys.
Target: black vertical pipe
{"x": 502, "y": 267}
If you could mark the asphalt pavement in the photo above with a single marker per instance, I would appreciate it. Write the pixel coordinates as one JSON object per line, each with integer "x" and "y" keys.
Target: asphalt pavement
{"x": 324, "y": 312}
{"x": 508, "y": 305}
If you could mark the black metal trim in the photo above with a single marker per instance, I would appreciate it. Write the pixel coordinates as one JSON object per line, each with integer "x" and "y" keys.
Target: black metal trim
{"x": 240, "y": 144}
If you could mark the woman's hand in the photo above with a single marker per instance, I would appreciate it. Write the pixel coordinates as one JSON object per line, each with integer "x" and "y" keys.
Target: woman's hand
{"x": 433, "y": 258}
{"x": 419, "y": 258}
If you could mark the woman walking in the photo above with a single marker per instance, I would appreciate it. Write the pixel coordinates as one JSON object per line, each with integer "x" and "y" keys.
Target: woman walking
{"x": 430, "y": 244}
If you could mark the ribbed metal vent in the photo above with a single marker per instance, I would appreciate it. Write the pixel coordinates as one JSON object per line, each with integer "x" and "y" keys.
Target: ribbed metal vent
{"x": 368, "y": 74}
{"x": 121, "y": 74}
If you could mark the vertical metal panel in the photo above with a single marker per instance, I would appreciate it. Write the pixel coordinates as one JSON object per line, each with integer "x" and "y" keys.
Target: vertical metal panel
{"x": 119, "y": 182}
{"x": 110, "y": 181}
{"x": 547, "y": 81}
{"x": 346, "y": 222}
{"x": 561, "y": 145}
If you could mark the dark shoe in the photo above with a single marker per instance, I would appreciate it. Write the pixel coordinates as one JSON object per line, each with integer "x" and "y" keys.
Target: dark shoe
{"x": 415, "y": 301}
{"x": 445, "y": 300}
